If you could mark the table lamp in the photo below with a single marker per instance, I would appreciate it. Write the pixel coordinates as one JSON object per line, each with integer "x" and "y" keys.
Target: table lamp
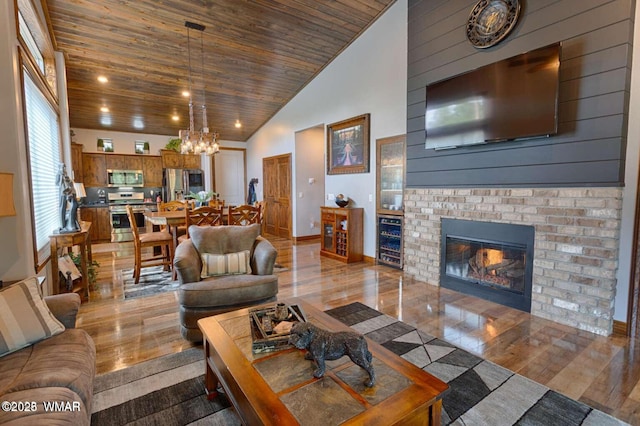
{"x": 80, "y": 191}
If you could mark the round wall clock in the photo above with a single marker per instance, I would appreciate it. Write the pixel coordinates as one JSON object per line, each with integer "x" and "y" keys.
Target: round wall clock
{"x": 490, "y": 21}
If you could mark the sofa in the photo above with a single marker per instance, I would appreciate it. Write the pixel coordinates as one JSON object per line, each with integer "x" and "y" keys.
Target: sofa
{"x": 220, "y": 269}
{"x": 59, "y": 368}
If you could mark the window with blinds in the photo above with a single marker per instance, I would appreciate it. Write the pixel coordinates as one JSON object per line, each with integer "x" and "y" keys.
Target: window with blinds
{"x": 44, "y": 152}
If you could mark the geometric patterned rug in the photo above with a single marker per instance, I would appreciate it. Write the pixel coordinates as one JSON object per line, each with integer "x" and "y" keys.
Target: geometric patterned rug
{"x": 480, "y": 392}
{"x": 170, "y": 389}
{"x": 153, "y": 280}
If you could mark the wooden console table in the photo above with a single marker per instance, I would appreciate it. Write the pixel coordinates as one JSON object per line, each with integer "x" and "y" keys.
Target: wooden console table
{"x": 82, "y": 239}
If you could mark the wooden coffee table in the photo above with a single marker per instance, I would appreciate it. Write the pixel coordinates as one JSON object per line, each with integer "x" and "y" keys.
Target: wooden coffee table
{"x": 278, "y": 388}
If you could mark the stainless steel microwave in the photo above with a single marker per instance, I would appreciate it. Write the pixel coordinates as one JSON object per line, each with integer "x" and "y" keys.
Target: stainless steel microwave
{"x": 125, "y": 178}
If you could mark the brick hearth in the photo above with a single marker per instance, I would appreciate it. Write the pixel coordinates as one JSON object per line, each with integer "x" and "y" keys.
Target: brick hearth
{"x": 577, "y": 231}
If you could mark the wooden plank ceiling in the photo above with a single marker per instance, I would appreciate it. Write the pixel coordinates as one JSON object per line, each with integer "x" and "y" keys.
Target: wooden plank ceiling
{"x": 257, "y": 55}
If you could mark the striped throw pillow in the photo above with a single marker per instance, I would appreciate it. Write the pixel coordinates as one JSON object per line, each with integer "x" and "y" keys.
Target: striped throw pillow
{"x": 225, "y": 264}
{"x": 25, "y": 318}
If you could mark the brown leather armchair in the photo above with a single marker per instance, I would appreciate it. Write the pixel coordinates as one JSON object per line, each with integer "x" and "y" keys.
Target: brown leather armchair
{"x": 203, "y": 297}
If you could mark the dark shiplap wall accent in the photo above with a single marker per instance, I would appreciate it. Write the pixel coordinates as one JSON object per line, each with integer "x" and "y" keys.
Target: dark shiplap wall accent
{"x": 589, "y": 149}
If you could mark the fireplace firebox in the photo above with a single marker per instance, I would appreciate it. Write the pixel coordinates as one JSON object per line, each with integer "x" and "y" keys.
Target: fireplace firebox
{"x": 490, "y": 260}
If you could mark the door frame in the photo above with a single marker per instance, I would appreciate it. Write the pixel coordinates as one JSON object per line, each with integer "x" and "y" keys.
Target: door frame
{"x": 290, "y": 195}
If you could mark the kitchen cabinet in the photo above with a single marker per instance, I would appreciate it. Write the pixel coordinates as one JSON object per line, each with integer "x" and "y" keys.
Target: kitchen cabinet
{"x": 100, "y": 219}
{"x": 342, "y": 233}
{"x": 390, "y": 171}
{"x": 133, "y": 162}
{"x": 94, "y": 169}
{"x": 152, "y": 170}
{"x": 123, "y": 162}
{"x": 171, "y": 159}
{"x": 115, "y": 161}
{"x": 76, "y": 162}
{"x": 191, "y": 161}
{"x": 175, "y": 160}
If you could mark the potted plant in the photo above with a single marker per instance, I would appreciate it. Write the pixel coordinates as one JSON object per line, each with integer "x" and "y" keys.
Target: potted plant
{"x": 100, "y": 145}
{"x": 174, "y": 144}
{"x": 202, "y": 197}
{"x": 92, "y": 269}
{"x": 146, "y": 148}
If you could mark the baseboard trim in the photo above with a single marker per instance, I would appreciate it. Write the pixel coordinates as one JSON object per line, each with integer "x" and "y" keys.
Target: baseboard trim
{"x": 620, "y": 328}
{"x": 306, "y": 239}
{"x": 369, "y": 259}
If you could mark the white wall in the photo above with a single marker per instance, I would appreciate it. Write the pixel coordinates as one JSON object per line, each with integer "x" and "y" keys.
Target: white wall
{"x": 124, "y": 143}
{"x": 16, "y": 250}
{"x": 309, "y": 144}
{"x": 370, "y": 76}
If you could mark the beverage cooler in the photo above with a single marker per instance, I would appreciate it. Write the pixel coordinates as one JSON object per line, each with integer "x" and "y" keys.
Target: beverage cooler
{"x": 390, "y": 240}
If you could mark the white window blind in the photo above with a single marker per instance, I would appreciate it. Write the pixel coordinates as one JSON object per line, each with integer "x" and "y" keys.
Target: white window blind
{"x": 44, "y": 152}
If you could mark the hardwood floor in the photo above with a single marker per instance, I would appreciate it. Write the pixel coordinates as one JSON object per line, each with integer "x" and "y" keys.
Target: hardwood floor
{"x": 602, "y": 372}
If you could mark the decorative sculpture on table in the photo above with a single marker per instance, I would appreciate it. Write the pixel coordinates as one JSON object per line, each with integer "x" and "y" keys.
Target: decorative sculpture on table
{"x": 68, "y": 208}
{"x": 324, "y": 345}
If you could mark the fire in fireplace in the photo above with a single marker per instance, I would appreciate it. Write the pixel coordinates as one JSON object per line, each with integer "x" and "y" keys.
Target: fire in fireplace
{"x": 488, "y": 260}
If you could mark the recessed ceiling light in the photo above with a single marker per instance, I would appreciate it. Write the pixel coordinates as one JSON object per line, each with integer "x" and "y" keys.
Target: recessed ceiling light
{"x": 104, "y": 109}
{"x": 138, "y": 123}
{"x": 103, "y": 79}
{"x": 238, "y": 124}
{"x": 185, "y": 93}
{"x": 175, "y": 117}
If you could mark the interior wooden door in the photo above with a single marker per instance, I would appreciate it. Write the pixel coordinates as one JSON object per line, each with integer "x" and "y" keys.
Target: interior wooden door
{"x": 277, "y": 195}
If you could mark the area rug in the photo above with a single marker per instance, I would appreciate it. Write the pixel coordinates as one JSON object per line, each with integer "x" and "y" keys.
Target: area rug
{"x": 170, "y": 389}
{"x": 164, "y": 391}
{"x": 153, "y": 280}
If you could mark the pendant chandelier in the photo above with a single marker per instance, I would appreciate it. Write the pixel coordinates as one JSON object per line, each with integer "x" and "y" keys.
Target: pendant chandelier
{"x": 203, "y": 141}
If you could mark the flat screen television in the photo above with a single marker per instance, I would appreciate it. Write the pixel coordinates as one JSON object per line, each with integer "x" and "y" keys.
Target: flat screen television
{"x": 510, "y": 99}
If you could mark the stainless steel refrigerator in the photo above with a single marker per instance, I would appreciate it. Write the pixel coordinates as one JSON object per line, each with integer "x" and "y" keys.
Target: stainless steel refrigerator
{"x": 178, "y": 183}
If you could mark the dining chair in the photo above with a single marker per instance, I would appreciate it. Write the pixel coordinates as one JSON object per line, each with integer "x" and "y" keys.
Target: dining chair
{"x": 216, "y": 203}
{"x": 173, "y": 205}
{"x": 150, "y": 239}
{"x": 176, "y": 205}
{"x": 245, "y": 215}
{"x": 203, "y": 216}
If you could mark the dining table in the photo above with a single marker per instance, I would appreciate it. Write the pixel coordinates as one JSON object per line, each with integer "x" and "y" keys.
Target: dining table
{"x": 172, "y": 220}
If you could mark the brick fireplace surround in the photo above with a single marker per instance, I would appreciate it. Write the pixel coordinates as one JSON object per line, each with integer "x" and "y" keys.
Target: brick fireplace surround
{"x": 577, "y": 232}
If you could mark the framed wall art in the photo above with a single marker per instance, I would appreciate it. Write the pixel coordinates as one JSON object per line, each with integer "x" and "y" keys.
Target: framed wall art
{"x": 348, "y": 146}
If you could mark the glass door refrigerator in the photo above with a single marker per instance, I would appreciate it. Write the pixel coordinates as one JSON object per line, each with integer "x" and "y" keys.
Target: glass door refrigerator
{"x": 390, "y": 178}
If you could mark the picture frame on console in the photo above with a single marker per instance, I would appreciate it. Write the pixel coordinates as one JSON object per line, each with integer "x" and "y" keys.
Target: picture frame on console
{"x": 348, "y": 146}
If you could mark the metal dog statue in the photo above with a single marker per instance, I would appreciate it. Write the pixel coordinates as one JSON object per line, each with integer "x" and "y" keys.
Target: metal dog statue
{"x": 324, "y": 345}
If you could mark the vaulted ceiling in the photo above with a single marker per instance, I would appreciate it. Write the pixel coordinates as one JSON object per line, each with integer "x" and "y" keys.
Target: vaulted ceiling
{"x": 257, "y": 55}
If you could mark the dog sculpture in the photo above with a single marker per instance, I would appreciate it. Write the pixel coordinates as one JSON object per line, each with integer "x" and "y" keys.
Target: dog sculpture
{"x": 324, "y": 345}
